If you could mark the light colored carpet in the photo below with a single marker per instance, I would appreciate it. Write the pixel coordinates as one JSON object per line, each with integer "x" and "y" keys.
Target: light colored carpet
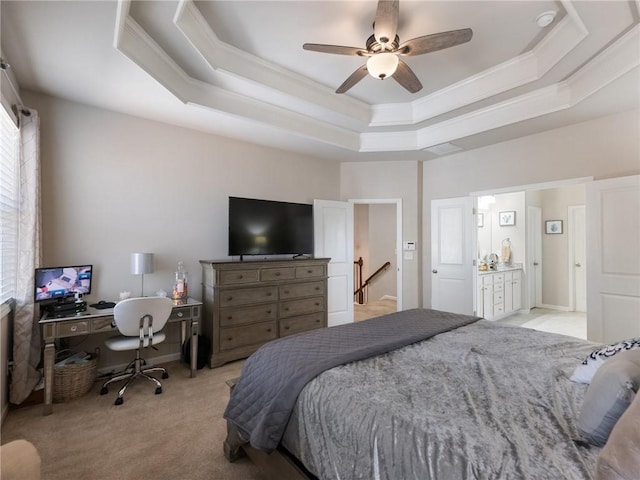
{"x": 177, "y": 435}
{"x": 374, "y": 309}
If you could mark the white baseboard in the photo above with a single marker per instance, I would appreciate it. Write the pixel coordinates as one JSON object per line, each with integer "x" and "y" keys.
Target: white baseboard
{"x": 172, "y": 357}
{"x": 555, "y": 307}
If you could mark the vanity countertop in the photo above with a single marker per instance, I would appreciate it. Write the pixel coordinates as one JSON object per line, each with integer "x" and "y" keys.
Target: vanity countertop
{"x": 502, "y": 268}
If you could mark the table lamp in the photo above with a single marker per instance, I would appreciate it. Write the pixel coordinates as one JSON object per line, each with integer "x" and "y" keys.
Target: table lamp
{"x": 141, "y": 263}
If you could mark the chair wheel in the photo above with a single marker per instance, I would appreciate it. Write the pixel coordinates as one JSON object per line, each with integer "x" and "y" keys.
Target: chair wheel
{"x": 165, "y": 375}
{"x": 158, "y": 390}
{"x": 104, "y": 391}
{"x": 119, "y": 401}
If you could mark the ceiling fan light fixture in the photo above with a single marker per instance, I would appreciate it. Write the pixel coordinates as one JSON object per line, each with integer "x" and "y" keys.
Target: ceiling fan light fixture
{"x": 382, "y": 65}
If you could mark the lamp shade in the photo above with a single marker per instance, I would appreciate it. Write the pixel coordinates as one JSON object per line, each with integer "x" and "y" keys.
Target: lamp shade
{"x": 382, "y": 65}
{"x": 141, "y": 263}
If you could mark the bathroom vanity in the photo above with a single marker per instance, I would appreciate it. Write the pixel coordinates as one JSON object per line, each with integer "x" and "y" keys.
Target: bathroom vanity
{"x": 499, "y": 292}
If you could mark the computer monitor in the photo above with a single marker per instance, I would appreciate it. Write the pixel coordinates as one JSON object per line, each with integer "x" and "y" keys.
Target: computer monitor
{"x": 61, "y": 282}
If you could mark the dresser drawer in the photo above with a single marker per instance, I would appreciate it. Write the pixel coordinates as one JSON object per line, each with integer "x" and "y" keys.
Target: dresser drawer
{"x": 76, "y": 327}
{"x": 289, "y": 326}
{"x": 271, "y": 274}
{"x": 247, "y": 296}
{"x": 238, "y": 277}
{"x": 311, "y": 271}
{"x": 498, "y": 297}
{"x": 298, "y": 290}
{"x": 238, "y": 316}
{"x": 233, "y": 337}
{"x": 290, "y": 308}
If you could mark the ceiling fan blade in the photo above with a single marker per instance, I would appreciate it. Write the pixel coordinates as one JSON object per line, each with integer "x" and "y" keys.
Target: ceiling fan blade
{"x": 435, "y": 42}
{"x": 405, "y": 77}
{"x": 337, "y": 49}
{"x": 386, "y": 22}
{"x": 354, "y": 78}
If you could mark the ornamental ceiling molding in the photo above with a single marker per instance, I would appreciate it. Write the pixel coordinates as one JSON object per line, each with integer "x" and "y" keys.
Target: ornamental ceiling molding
{"x": 254, "y": 89}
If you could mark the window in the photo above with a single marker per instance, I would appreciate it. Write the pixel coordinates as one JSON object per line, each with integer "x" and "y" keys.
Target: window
{"x": 9, "y": 205}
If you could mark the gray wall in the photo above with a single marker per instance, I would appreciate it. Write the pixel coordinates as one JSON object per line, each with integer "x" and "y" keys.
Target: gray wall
{"x": 603, "y": 148}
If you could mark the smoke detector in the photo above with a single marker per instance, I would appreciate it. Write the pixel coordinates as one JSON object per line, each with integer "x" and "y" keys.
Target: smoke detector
{"x": 546, "y": 18}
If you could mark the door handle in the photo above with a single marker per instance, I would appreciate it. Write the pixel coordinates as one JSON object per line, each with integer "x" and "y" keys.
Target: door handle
{"x": 578, "y": 265}
{"x": 535, "y": 264}
{"x": 434, "y": 271}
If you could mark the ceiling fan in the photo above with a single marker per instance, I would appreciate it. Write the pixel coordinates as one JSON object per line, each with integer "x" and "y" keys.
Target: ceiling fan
{"x": 384, "y": 49}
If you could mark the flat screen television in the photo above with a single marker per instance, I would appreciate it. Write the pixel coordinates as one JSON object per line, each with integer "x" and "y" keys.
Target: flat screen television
{"x": 61, "y": 282}
{"x": 267, "y": 227}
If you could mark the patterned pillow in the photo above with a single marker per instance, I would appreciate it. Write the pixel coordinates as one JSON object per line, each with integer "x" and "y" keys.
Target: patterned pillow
{"x": 586, "y": 370}
{"x": 612, "y": 390}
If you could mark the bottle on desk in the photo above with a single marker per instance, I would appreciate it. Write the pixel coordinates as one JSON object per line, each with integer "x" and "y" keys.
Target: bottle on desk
{"x": 180, "y": 286}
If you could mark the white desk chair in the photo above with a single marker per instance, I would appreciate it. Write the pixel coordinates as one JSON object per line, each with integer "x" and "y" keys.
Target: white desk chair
{"x": 140, "y": 321}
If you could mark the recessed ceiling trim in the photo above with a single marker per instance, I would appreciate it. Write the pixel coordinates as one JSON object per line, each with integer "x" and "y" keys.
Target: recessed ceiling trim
{"x": 517, "y": 71}
{"x": 610, "y": 64}
{"x": 220, "y": 55}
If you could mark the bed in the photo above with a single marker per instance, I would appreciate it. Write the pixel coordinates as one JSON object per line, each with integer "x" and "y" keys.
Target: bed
{"x": 437, "y": 396}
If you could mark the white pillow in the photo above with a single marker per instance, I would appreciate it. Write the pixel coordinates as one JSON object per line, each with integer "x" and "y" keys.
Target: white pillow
{"x": 587, "y": 369}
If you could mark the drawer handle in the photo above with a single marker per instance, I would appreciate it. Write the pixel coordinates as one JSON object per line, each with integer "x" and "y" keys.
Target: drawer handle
{"x": 286, "y": 309}
{"x": 317, "y": 288}
{"x": 277, "y": 274}
{"x": 317, "y": 303}
{"x": 317, "y": 320}
{"x": 74, "y": 328}
{"x": 240, "y": 277}
{"x": 309, "y": 271}
{"x": 269, "y": 330}
{"x": 268, "y": 294}
{"x": 286, "y": 292}
{"x": 180, "y": 314}
{"x": 229, "y": 338}
{"x": 287, "y": 327}
{"x": 230, "y": 317}
{"x": 269, "y": 312}
{"x": 229, "y": 299}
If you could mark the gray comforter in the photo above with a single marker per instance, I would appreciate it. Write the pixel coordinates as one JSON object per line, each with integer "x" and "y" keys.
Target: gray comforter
{"x": 482, "y": 401}
{"x": 262, "y": 401}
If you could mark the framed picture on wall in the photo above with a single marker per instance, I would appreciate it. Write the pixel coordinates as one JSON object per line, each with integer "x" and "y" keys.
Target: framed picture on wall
{"x": 553, "y": 227}
{"x": 507, "y": 219}
{"x": 481, "y": 219}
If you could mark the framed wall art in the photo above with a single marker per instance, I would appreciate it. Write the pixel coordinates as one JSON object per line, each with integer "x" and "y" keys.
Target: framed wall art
{"x": 507, "y": 219}
{"x": 552, "y": 227}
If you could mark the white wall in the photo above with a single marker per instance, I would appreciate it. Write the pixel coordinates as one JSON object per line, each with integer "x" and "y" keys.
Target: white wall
{"x": 392, "y": 180}
{"x": 603, "y": 148}
{"x": 114, "y": 184}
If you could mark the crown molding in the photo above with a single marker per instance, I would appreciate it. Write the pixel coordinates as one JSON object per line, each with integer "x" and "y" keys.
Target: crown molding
{"x": 252, "y": 89}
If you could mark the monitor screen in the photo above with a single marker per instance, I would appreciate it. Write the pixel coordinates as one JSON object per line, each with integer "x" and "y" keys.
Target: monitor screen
{"x": 61, "y": 282}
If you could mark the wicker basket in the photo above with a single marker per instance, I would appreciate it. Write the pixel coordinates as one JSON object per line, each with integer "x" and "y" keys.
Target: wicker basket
{"x": 73, "y": 380}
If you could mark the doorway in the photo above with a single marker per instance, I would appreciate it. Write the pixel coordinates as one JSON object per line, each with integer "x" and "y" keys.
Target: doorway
{"x": 377, "y": 257}
{"x": 552, "y": 258}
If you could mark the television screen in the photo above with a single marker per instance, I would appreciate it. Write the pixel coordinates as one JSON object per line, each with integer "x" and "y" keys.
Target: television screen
{"x": 61, "y": 282}
{"x": 266, "y": 227}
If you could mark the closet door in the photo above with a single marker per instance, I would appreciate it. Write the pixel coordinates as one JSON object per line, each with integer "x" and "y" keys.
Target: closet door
{"x": 613, "y": 259}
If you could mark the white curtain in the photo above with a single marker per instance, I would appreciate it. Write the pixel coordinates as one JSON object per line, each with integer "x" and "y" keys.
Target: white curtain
{"x": 26, "y": 330}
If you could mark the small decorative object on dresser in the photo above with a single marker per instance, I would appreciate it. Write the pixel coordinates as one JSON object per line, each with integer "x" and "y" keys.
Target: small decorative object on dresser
{"x": 247, "y": 304}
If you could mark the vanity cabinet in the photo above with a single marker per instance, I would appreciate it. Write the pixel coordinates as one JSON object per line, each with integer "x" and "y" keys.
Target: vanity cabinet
{"x": 499, "y": 293}
{"x": 247, "y": 304}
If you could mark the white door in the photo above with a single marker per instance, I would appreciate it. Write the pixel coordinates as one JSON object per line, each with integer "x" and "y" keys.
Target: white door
{"x": 577, "y": 259}
{"x": 452, "y": 266}
{"x": 534, "y": 256}
{"x": 613, "y": 259}
{"x": 333, "y": 238}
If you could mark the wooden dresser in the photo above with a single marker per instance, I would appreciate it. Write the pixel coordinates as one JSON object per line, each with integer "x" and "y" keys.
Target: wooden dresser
{"x": 248, "y": 303}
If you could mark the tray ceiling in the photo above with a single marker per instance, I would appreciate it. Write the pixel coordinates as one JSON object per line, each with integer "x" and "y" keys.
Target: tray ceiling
{"x": 237, "y": 68}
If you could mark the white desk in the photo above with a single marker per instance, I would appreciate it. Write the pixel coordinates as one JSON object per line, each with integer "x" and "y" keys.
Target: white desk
{"x": 101, "y": 321}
